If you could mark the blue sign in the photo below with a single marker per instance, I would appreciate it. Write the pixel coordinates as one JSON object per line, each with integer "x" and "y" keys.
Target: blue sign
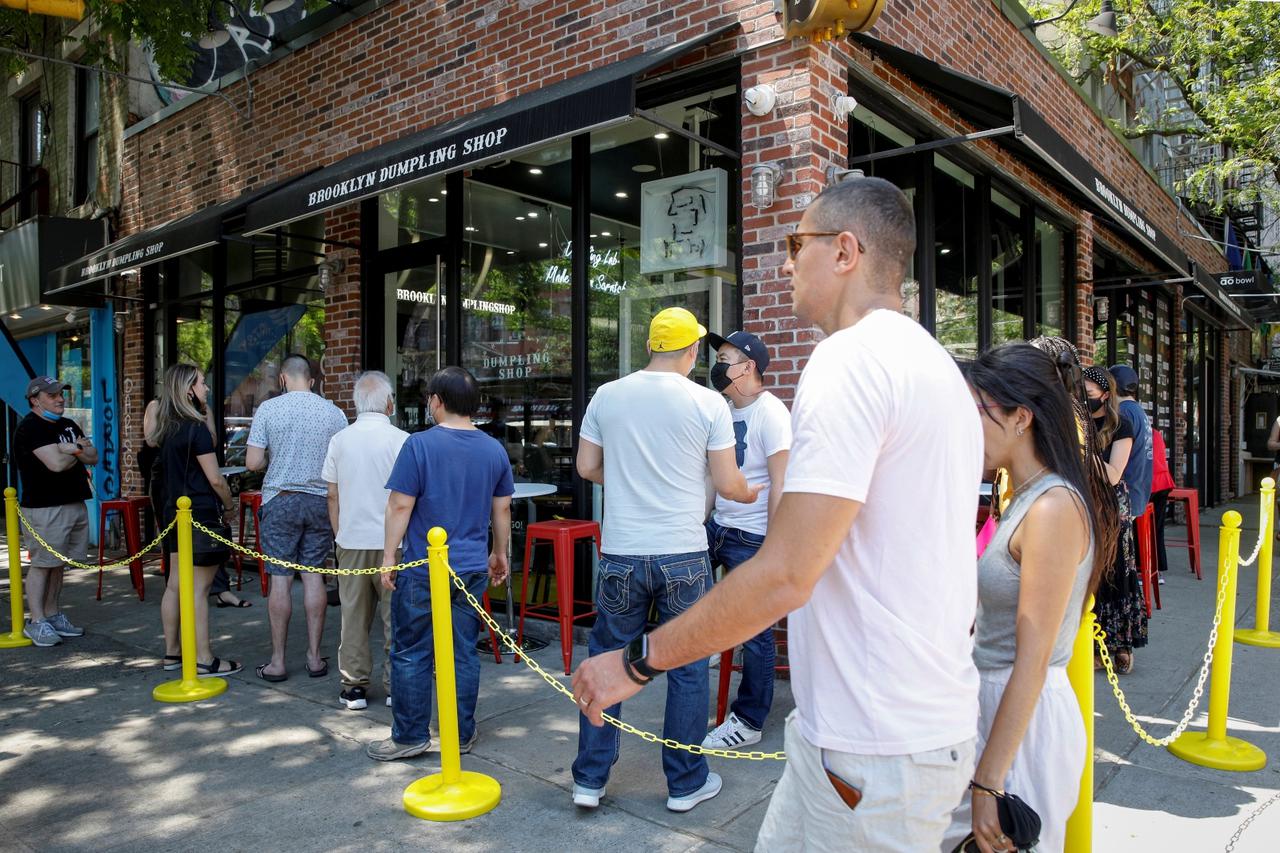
{"x": 253, "y": 337}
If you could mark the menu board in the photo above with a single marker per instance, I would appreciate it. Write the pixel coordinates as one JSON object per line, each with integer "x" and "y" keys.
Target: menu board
{"x": 1145, "y": 330}
{"x": 1164, "y": 367}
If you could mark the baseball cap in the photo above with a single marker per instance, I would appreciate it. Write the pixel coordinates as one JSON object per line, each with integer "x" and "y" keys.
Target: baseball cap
{"x": 1125, "y": 376}
{"x": 674, "y": 329}
{"x": 47, "y": 384}
{"x": 752, "y": 346}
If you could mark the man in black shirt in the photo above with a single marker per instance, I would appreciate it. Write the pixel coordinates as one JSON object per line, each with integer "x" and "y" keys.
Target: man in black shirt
{"x": 52, "y": 452}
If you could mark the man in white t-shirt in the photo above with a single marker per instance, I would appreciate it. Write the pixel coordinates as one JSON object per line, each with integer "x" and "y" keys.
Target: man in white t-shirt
{"x": 650, "y": 439}
{"x": 356, "y": 469}
{"x": 871, "y": 546}
{"x": 735, "y": 531}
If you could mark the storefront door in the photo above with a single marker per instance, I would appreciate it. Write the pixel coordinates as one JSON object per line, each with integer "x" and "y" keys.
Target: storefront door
{"x": 414, "y": 336}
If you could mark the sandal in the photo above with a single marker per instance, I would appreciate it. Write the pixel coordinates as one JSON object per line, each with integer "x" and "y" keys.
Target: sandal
{"x": 240, "y": 603}
{"x": 1124, "y": 662}
{"x": 218, "y": 667}
{"x": 171, "y": 662}
{"x": 261, "y": 672}
{"x": 321, "y": 672}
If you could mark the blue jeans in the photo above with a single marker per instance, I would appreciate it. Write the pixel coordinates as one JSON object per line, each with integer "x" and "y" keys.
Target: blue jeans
{"x": 627, "y": 588}
{"x": 413, "y": 656}
{"x": 731, "y": 547}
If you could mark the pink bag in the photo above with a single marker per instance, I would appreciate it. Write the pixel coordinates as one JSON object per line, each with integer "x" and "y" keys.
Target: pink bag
{"x": 986, "y": 534}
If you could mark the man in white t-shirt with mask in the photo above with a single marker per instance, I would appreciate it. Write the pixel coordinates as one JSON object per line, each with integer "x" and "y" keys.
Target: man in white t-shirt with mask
{"x": 651, "y": 438}
{"x": 871, "y": 547}
{"x": 735, "y": 531}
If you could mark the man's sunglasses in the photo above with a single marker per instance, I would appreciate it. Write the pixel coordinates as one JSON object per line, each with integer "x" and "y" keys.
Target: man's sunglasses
{"x": 795, "y": 241}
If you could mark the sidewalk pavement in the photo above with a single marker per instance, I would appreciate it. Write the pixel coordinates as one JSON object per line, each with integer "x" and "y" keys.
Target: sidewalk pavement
{"x": 89, "y": 762}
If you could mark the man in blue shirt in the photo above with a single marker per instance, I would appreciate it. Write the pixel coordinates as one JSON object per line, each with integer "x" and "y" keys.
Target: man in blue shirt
{"x": 1137, "y": 471}
{"x": 456, "y": 477}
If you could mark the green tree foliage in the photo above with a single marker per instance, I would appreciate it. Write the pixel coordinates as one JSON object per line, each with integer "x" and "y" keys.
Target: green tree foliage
{"x": 1222, "y": 58}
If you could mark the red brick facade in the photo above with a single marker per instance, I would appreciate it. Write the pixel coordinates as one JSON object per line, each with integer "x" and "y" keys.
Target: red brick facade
{"x": 410, "y": 65}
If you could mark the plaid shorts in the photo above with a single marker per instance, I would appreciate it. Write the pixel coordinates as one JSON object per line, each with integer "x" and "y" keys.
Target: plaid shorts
{"x": 295, "y": 529}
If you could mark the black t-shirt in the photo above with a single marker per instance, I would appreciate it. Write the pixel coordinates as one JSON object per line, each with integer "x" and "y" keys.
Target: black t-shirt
{"x": 40, "y": 486}
{"x": 182, "y": 472}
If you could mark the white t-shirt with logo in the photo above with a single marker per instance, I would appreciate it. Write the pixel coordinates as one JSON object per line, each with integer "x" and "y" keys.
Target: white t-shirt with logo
{"x": 656, "y": 428}
{"x": 760, "y": 430}
{"x": 882, "y": 659}
{"x": 359, "y": 461}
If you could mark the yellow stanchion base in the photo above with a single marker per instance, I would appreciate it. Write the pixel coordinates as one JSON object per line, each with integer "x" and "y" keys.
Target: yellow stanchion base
{"x": 1230, "y": 754}
{"x": 431, "y": 799}
{"x": 14, "y": 640}
{"x": 1254, "y": 637}
{"x": 189, "y": 691}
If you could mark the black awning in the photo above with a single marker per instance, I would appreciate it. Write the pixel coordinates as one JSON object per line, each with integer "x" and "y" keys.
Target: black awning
{"x": 598, "y": 98}
{"x": 178, "y": 237}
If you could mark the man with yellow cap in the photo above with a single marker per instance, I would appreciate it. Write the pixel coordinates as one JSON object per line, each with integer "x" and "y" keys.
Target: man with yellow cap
{"x": 650, "y": 439}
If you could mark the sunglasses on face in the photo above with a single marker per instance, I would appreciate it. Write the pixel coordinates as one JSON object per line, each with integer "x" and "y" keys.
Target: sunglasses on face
{"x": 795, "y": 241}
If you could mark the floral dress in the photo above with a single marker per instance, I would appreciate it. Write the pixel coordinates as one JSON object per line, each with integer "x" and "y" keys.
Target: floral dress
{"x": 1118, "y": 603}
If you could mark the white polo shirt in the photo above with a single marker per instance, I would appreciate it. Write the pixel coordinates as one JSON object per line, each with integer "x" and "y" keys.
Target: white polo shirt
{"x": 359, "y": 461}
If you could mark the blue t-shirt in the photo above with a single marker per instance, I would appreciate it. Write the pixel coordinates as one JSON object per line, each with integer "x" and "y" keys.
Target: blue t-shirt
{"x": 455, "y": 474}
{"x": 1137, "y": 471}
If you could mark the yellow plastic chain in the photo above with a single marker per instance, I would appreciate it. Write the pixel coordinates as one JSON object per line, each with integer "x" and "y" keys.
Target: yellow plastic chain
{"x": 1100, "y": 637}
{"x": 559, "y": 687}
{"x": 249, "y": 552}
{"x": 118, "y": 564}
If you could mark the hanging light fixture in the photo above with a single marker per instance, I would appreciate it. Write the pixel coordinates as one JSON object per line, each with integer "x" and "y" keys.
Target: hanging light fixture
{"x": 1104, "y": 23}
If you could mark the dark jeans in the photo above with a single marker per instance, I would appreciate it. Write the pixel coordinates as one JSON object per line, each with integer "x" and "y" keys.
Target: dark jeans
{"x": 413, "y": 656}
{"x": 731, "y": 547}
{"x": 1160, "y": 508}
{"x": 627, "y": 588}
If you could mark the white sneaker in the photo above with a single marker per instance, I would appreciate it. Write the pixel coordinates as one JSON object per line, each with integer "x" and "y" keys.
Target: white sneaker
{"x": 62, "y": 625}
{"x": 731, "y": 734}
{"x": 708, "y": 790}
{"x": 1161, "y": 580}
{"x": 41, "y": 633}
{"x": 587, "y": 798}
{"x": 388, "y": 700}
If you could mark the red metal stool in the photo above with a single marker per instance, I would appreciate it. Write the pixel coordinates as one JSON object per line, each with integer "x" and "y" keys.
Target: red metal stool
{"x": 728, "y": 668}
{"x": 132, "y": 521}
{"x": 1192, "y": 499}
{"x": 561, "y": 535}
{"x": 1144, "y": 529}
{"x": 252, "y": 501}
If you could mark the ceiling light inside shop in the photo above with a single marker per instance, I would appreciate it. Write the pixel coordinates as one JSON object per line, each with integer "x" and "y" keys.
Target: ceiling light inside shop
{"x": 519, "y": 219}
{"x": 533, "y": 214}
{"x": 444, "y": 192}
{"x": 593, "y": 236}
{"x": 471, "y": 228}
{"x": 644, "y": 168}
{"x": 944, "y": 251}
{"x": 534, "y": 170}
{"x": 542, "y": 245}
{"x": 181, "y": 320}
{"x": 46, "y": 307}
{"x": 511, "y": 251}
{"x": 660, "y": 135}
{"x": 433, "y": 199}
{"x": 75, "y": 339}
{"x": 605, "y": 234}
{"x": 620, "y": 194}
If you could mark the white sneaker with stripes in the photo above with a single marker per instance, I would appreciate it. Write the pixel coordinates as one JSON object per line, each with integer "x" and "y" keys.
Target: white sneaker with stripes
{"x": 733, "y": 733}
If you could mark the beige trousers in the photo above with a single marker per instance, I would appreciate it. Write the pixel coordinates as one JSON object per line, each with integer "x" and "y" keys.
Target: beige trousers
{"x": 362, "y": 595}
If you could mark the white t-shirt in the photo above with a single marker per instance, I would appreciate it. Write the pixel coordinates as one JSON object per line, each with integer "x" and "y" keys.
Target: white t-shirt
{"x": 359, "y": 460}
{"x": 762, "y": 429}
{"x": 656, "y": 429}
{"x": 882, "y": 659}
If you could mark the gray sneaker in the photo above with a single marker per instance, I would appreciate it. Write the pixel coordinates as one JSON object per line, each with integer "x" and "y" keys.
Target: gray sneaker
{"x": 41, "y": 633}
{"x": 63, "y": 625}
{"x": 389, "y": 750}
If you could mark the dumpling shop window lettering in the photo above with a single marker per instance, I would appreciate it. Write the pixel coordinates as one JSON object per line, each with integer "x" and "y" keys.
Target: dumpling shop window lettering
{"x": 427, "y": 298}
{"x": 521, "y": 366}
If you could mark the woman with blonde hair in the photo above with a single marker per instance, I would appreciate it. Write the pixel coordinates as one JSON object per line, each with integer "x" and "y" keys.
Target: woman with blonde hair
{"x": 189, "y": 466}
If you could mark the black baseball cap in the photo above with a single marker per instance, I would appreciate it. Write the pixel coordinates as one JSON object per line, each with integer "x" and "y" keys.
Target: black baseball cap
{"x": 745, "y": 341}
{"x": 1125, "y": 376}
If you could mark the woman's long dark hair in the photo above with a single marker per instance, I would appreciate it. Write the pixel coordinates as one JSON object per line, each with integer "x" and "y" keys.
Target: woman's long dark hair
{"x": 1020, "y": 375}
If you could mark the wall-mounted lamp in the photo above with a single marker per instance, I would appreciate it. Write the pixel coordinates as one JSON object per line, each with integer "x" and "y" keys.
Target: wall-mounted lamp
{"x": 835, "y": 176}
{"x": 324, "y": 274}
{"x": 844, "y": 105}
{"x": 765, "y": 179}
{"x": 760, "y": 100}
{"x": 1101, "y": 308}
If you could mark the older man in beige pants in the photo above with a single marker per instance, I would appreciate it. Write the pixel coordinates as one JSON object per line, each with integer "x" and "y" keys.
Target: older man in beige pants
{"x": 356, "y": 469}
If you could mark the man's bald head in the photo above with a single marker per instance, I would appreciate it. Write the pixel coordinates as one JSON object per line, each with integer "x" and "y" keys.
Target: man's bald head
{"x": 880, "y": 216}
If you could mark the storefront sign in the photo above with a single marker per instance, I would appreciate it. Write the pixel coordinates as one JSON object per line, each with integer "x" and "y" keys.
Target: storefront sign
{"x": 189, "y": 234}
{"x": 519, "y": 366}
{"x": 102, "y": 367}
{"x": 424, "y": 297}
{"x": 602, "y": 282}
{"x": 1122, "y": 207}
{"x": 1240, "y": 280}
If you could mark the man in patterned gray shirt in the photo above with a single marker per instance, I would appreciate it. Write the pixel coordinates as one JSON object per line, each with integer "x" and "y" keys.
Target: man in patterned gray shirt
{"x": 294, "y": 429}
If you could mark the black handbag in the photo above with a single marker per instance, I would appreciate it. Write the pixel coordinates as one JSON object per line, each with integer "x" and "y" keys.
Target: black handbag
{"x": 1018, "y": 821}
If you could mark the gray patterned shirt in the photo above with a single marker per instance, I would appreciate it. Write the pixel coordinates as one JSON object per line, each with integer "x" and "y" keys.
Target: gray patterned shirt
{"x": 295, "y": 429}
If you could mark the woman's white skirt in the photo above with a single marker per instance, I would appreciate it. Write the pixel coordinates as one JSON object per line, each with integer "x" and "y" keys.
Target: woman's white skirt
{"x": 1046, "y": 771}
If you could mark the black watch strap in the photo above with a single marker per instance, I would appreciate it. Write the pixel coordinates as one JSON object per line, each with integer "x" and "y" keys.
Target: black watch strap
{"x": 636, "y": 656}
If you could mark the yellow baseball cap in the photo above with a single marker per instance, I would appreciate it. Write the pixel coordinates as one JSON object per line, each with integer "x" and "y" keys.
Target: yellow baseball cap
{"x": 674, "y": 329}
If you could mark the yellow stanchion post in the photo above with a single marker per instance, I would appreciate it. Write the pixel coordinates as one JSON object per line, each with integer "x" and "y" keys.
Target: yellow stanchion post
{"x": 15, "y": 638}
{"x": 1214, "y": 748}
{"x": 190, "y": 688}
{"x": 1261, "y": 634}
{"x": 1080, "y": 671}
{"x": 453, "y": 793}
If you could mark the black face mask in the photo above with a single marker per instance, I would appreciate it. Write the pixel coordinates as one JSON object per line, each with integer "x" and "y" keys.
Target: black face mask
{"x": 1095, "y": 406}
{"x": 720, "y": 376}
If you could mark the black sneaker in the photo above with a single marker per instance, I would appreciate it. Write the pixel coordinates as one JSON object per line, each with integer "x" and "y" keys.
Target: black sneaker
{"x": 354, "y": 698}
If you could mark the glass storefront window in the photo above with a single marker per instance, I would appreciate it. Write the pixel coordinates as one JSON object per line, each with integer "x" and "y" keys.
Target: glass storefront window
{"x": 195, "y": 334}
{"x": 1051, "y": 267}
{"x": 195, "y": 275}
{"x": 73, "y": 369}
{"x": 412, "y": 214}
{"x": 415, "y": 337}
{"x": 956, "y": 323}
{"x": 1008, "y": 290}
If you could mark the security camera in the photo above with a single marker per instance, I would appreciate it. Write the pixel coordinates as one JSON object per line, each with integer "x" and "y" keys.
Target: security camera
{"x": 760, "y": 99}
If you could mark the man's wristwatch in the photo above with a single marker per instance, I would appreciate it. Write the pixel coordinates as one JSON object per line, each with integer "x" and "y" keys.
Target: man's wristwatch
{"x": 634, "y": 661}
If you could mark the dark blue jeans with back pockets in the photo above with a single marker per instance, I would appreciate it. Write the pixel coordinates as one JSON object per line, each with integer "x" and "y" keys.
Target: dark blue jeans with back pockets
{"x": 627, "y": 587}
{"x": 731, "y": 547}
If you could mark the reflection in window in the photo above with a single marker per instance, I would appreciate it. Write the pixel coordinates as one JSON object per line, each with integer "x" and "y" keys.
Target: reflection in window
{"x": 1051, "y": 264}
{"x": 74, "y": 370}
{"x": 1008, "y": 290}
{"x": 957, "y": 270}
{"x": 412, "y": 213}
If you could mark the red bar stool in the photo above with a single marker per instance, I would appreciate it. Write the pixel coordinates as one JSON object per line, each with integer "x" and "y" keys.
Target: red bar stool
{"x": 132, "y": 521}
{"x": 561, "y": 535}
{"x": 1192, "y": 499}
{"x": 1145, "y": 534}
{"x": 728, "y": 667}
{"x": 251, "y": 500}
